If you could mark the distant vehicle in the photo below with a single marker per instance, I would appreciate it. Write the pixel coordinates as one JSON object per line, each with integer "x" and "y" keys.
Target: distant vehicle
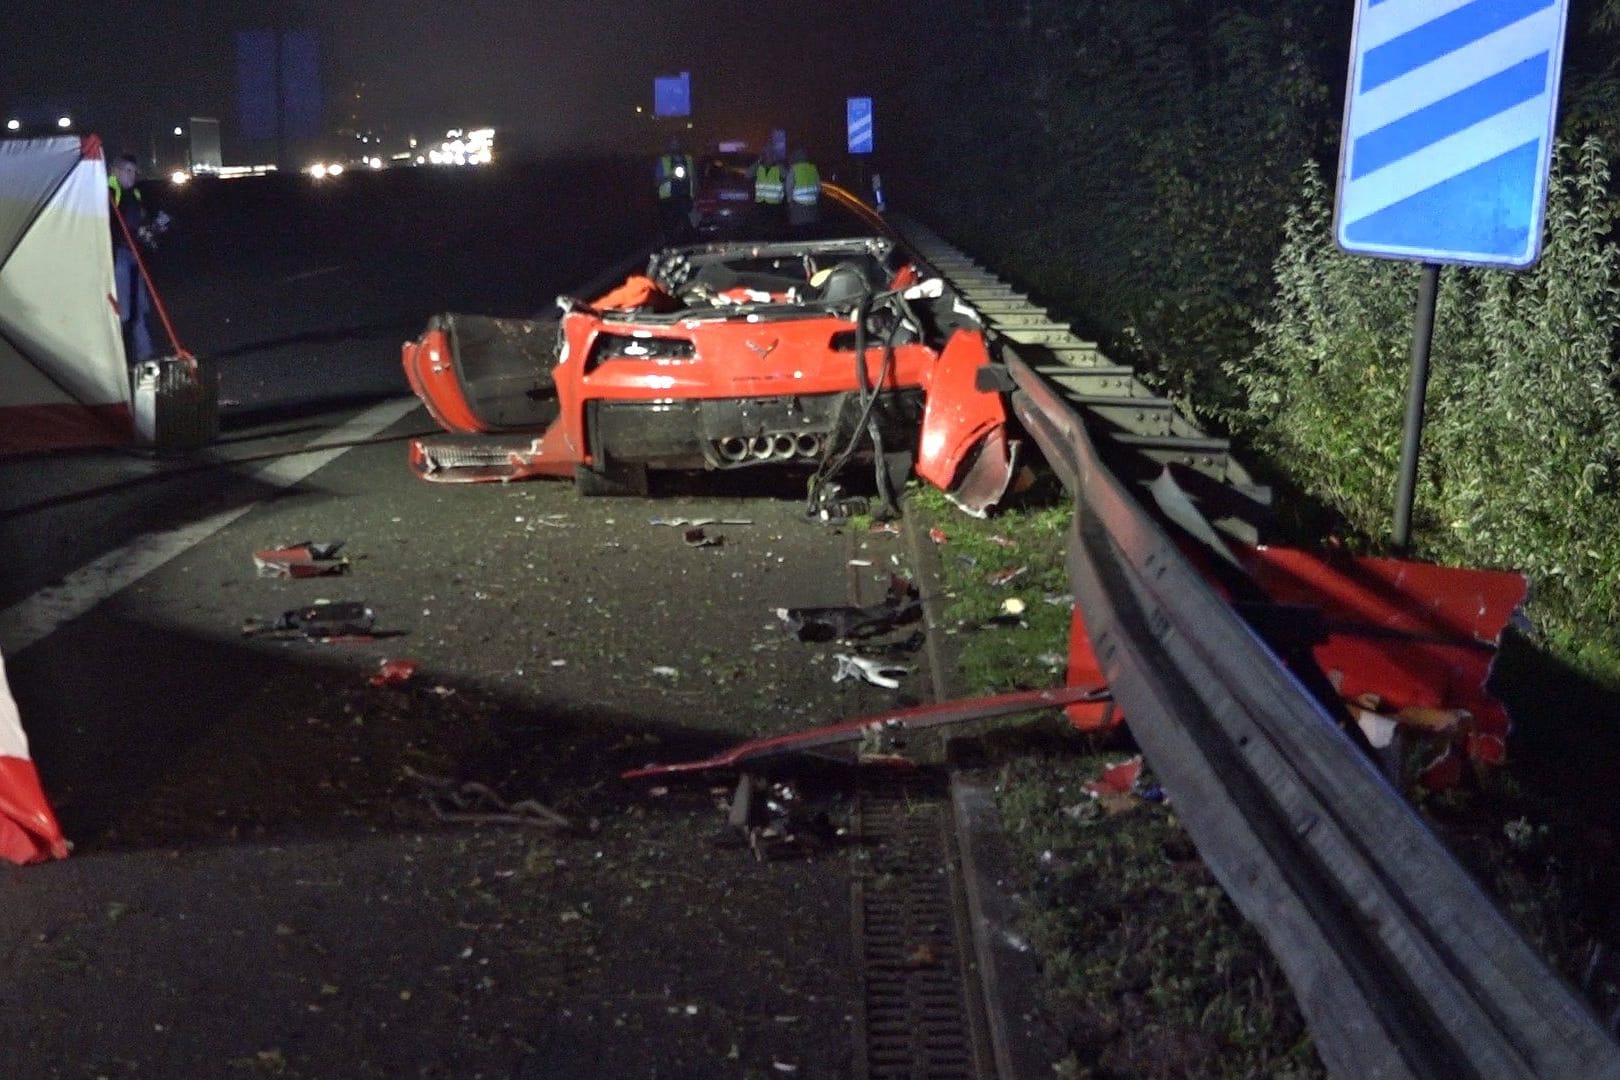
{"x": 722, "y": 356}
{"x": 724, "y": 199}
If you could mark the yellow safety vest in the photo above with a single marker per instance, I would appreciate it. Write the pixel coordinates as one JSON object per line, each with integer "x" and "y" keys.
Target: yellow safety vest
{"x": 806, "y": 184}
{"x": 768, "y": 186}
{"x": 117, "y": 190}
{"x": 667, "y": 169}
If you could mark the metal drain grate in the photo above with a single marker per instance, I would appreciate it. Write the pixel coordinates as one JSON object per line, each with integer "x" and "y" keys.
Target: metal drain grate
{"x": 919, "y": 1021}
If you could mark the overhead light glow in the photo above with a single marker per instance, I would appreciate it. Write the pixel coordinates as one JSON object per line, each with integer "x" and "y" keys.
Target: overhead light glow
{"x": 334, "y": 169}
{"x": 178, "y": 177}
{"x": 318, "y": 170}
{"x": 64, "y": 121}
{"x": 13, "y": 124}
{"x": 179, "y": 130}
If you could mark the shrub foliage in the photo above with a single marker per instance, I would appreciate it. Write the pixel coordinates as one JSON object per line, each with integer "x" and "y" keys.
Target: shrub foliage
{"x": 1521, "y": 462}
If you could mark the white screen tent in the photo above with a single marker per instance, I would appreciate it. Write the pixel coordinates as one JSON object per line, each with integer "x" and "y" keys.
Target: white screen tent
{"x": 63, "y": 378}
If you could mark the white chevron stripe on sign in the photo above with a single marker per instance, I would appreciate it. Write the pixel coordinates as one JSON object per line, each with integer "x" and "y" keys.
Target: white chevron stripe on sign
{"x": 1453, "y": 72}
{"x": 1440, "y": 161}
{"x": 1389, "y": 20}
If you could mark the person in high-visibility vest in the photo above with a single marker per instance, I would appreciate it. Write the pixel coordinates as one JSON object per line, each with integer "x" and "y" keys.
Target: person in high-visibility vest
{"x": 134, "y": 302}
{"x": 675, "y": 181}
{"x": 804, "y": 191}
{"x": 770, "y": 191}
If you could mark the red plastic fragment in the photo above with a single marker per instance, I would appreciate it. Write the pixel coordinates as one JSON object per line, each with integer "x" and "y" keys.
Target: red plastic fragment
{"x": 1116, "y": 779}
{"x": 393, "y": 672}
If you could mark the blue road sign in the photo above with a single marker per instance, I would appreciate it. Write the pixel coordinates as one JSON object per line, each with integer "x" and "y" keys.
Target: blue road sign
{"x": 1448, "y": 129}
{"x": 860, "y": 125}
{"x": 672, "y": 95}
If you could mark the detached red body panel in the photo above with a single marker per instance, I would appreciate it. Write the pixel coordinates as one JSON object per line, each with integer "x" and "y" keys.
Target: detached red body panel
{"x": 722, "y": 356}
{"x": 1406, "y": 645}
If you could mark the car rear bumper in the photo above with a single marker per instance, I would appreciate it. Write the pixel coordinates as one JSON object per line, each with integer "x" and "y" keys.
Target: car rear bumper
{"x": 730, "y": 433}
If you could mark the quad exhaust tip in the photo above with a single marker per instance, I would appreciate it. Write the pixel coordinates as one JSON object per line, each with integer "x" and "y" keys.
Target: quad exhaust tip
{"x": 775, "y": 446}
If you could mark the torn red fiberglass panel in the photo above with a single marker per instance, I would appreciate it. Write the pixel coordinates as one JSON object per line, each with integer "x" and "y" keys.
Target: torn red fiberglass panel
{"x": 1403, "y": 637}
{"x": 1404, "y": 642}
{"x": 963, "y": 449}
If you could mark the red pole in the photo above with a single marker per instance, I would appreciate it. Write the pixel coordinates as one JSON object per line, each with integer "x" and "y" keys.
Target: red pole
{"x": 157, "y": 301}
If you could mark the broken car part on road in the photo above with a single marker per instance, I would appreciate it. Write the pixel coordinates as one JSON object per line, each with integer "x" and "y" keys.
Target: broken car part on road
{"x": 892, "y": 723}
{"x": 901, "y": 606}
{"x": 337, "y": 620}
{"x": 302, "y": 560}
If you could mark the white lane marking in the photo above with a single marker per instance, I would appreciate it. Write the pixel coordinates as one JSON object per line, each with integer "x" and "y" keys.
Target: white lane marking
{"x": 54, "y": 606}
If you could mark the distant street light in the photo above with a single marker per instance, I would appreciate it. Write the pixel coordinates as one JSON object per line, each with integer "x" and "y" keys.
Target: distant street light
{"x": 179, "y": 131}
{"x": 14, "y": 124}
{"x": 64, "y": 122}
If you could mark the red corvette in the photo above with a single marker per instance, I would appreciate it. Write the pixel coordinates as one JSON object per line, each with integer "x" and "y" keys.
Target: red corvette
{"x": 724, "y": 356}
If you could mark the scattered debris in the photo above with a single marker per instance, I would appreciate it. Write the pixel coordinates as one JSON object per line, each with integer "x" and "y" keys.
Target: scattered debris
{"x": 348, "y": 620}
{"x": 876, "y": 672}
{"x": 1013, "y": 606}
{"x": 305, "y": 559}
{"x": 860, "y": 562}
{"x": 393, "y": 672}
{"x": 698, "y": 523}
{"x": 697, "y": 537}
{"x": 1002, "y": 541}
{"x": 937, "y": 535}
{"x": 1116, "y": 779}
{"x": 776, "y": 819}
{"x": 474, "y": 803}
{"x": 924, "y": 955}
{"x": 1007, "y": 577}
{"x": 907, "y": 646}
{"x": 1115, "y": 790}
{"x": 664, "y": 671}
{"x": 901, "y": 607}
{"x": 1059, "y": 599}
{"x": 887, "y": 527}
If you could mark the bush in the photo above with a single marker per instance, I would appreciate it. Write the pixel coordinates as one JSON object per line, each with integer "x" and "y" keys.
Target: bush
{"x": 1521, "y": 452}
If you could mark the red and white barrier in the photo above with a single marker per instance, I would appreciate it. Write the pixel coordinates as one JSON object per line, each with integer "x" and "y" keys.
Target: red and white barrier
{"x": 28, "y": 829}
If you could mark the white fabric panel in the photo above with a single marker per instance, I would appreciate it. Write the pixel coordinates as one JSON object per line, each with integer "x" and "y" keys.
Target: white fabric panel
{"x": 30, "y": 170}
{"x": 54, "y": 293}
{"x": 13, "y": 743}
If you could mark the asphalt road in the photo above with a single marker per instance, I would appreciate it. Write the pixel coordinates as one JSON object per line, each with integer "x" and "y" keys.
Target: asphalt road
{"x": 260, "y": 884}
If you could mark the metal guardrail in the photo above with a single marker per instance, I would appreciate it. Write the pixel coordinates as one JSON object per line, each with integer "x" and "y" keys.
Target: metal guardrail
{"x": 1401, "y": 965}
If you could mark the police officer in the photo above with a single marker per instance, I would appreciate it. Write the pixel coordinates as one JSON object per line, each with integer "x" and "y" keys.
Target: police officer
{"x": 674, "y": 177}
{"x": 134, "y": 301}
{"x": 804, "y": 192}
{"x": 770, "y": 191}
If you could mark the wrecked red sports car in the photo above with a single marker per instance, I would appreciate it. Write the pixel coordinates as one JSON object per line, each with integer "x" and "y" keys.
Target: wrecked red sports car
{"x": 807, "y": 354}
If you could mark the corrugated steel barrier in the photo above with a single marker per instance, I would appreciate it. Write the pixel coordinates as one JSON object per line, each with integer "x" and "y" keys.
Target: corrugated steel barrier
{"x": 1401, "y": 965}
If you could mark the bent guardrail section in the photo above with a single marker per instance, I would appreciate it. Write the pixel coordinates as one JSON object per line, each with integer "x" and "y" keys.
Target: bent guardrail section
{"x": 1402, "y": 966}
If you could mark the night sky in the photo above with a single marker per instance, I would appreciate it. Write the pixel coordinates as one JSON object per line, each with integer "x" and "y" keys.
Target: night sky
{"x": 551, "y": 75}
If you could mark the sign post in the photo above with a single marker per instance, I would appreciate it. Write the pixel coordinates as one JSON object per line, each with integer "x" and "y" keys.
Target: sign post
{"x": 1448, "y": 139}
